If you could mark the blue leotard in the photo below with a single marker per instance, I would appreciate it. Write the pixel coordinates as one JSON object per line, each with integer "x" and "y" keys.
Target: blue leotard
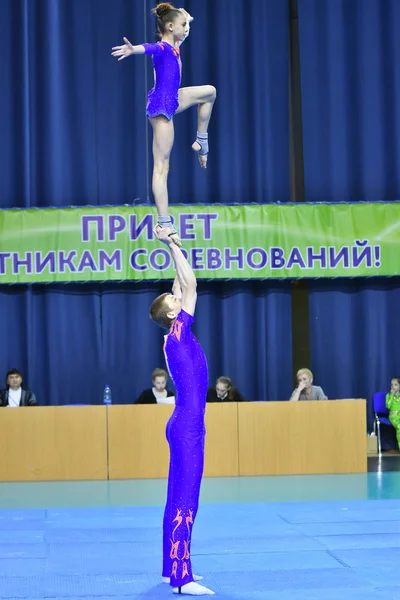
{"x": 163, "y": 97}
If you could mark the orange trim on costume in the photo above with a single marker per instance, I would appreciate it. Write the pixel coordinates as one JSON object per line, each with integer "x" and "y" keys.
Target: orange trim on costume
{"x": 174, "y": 569}
{"x": 177, "y": 329}
{"x": 174, "y": 550}
{"x": 186, "y": 555}
{"x": 179, "y": 519}
{"x": 184, "y": 570}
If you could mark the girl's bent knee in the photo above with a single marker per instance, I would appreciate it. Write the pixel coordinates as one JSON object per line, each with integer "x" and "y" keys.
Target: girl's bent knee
{"x": 212, "y": 92}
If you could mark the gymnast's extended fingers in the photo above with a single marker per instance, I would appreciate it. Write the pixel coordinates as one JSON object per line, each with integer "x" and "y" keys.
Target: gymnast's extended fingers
{"x": 127, "y": 42}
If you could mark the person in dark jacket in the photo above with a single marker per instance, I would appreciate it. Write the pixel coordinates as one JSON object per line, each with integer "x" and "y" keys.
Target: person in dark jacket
{"x": 224, "y": 391}
{"x": 158, "y": 394}
{"x": 15, "y": 394}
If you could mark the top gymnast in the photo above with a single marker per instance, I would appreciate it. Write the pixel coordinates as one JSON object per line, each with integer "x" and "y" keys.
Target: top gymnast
{"x": 166, "y": 99}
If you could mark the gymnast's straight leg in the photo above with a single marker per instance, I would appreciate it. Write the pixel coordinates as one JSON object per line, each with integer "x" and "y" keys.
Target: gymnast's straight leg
{"x": 185, "y": 434}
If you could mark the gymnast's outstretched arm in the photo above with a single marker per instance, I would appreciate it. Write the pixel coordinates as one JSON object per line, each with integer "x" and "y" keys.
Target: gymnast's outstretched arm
{"x": 127, "y": 49}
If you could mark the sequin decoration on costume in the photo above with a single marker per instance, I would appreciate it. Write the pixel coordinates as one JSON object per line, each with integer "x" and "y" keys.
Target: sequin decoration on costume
{"x": 163, "y": 97}
{"x": 187, "y": 366}
{"x": 189, "y": 520}
{"x": 186, "y": 555}
{"x": 185, "y": 571}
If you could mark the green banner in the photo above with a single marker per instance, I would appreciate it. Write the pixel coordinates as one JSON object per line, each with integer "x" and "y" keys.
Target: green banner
{"x": 221, "y": 242}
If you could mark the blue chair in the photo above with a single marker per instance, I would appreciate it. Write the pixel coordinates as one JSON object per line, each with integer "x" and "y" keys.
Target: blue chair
{"x": 381, "y": 415}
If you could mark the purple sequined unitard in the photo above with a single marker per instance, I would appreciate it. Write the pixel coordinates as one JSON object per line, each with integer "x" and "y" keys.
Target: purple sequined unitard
{"x": 187, "y": 366}
{"x": 163, "y": 97}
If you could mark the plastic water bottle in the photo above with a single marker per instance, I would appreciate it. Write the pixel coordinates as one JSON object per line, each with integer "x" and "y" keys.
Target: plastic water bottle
{"x": 107, "y": 395}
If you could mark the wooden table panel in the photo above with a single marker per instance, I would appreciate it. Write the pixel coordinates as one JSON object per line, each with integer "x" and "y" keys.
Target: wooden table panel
{"x": 53, "y": 443}
{"x": 222, "y": 444}
{"x": 137, "y": 448}
{"x": 70, "y": 443}
{"x": 287, "y": 438}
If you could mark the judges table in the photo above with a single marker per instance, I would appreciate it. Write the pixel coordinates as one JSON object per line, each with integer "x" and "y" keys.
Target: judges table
{"x": 298, "y": 438}
{"x": 125, "y": 441}
{"x": 50, "y": 443}
{"x": 138, "y": 448}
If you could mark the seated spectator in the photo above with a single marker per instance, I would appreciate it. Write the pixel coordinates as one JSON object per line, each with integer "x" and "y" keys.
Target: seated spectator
{"x": 158, "y": 394}
{"x": 15, "y": 395}
{"x": 393, "y": 406}
{"x": 224, "y": 391}
{"x": 305, "y": 389}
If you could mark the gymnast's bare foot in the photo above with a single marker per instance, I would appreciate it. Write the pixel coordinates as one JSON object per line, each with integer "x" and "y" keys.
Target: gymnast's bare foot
{"x": 202, "y": 157}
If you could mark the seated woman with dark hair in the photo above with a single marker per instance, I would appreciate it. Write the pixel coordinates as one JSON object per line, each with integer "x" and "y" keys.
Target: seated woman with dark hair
{"x": 224, "y": 391}
{"x": 15, "y": 395}
{"x": 158, "y": 394}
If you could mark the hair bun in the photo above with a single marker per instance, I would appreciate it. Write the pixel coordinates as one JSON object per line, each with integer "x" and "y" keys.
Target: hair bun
{"x": 163, "y": 8}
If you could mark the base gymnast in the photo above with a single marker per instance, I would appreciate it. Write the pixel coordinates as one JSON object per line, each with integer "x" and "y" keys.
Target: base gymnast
{"x": 187, "y": 365}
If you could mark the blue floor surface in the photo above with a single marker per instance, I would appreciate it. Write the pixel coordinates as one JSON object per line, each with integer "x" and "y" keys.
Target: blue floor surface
{"x": 333, "y": 550}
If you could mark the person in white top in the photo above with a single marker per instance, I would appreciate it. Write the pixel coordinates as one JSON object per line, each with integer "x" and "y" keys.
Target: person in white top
{"x": 14, "y": 395}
